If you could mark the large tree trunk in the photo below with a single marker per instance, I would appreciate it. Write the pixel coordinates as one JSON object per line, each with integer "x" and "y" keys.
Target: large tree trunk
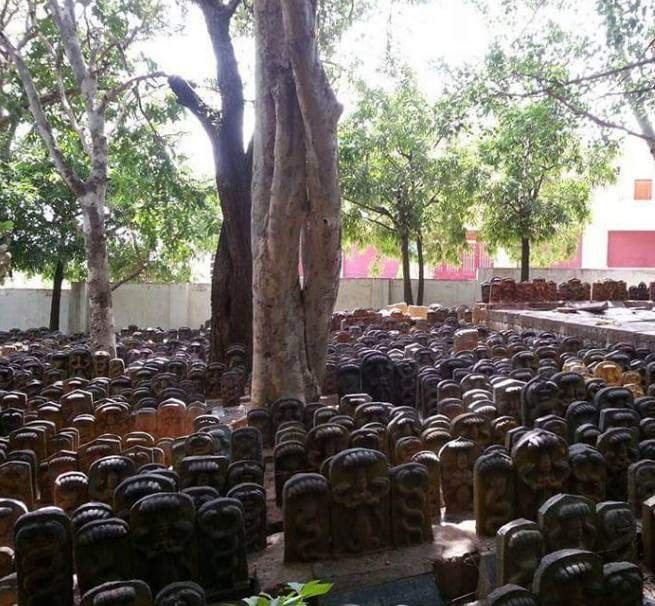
{"x": 55, "y": 304}
{"x": 525, "y": 260}
{"x": 231, "y": 296}
{"x": 407, "y": 278}
{"x": 296, "y": 205}
{"x": 101, "y": 316}
{"x": 421, "y": 271}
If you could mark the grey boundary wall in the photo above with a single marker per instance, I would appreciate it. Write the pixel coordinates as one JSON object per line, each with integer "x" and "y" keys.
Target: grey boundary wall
{"x": 174, "y": 305}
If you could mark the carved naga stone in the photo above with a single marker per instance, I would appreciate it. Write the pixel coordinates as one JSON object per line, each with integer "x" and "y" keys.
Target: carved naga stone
{"x": 360, "y": 492}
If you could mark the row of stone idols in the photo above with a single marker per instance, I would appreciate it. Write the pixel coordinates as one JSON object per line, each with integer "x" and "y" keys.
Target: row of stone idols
{"x": 604, "y": 534}
{"x": 395, "y": 319}
{"x": 575, "y": 577}
{"x": 507, "y": 290}
{"x": 496, "y": 486}
{"x": 142, "y": 382}
{"x": 140, "y": 363}
{"x": 565, "y": 521}
{"x": 165, "y": 538}
{"x": 31, "y": 473}
{"x": 359, "y": 504}
{"x": 605, "y": 414}
{"x": 91, "y": 418}
{"x": 421, "y": 388}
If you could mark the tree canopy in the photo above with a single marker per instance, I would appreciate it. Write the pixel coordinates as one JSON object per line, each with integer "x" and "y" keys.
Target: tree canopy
{"x": 539, "y": 177}
{"x": 594, "y": 59}
{"x": 407, "y": 185}
{"x": 75, "y": 76}
{"x": 159, "y": 217}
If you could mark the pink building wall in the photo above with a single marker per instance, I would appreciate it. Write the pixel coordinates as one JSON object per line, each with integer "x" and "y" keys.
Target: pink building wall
{"x": 631, "y": 249}
{"x": 368, "y": 263}
{"x": 361, "y": 264}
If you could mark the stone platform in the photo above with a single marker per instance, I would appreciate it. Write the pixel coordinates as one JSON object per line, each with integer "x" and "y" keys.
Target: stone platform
{"x": 452, "y": 559}
{"x": 619, "y": 322}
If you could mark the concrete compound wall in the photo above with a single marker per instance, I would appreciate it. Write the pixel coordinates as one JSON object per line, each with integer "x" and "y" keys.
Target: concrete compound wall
{"x": 30, "y": 308}
{"x": 174, "y": 305}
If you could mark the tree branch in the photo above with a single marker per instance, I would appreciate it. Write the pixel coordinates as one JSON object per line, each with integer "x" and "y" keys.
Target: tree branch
{"x": 318, "y": 103}
{"x": 65, "y": 22}
{"x": 138, "y": 271}
{"x": 112, "y": 93}
{"x": 576, "y": 110}
{"x": 599, "y": 75}
{"x": 380, "y": 210}
{"x": 232, "y": 6}
{"x": 596, "y": 120}
{"x": 187, "y": 97}
{"x": 44, "y": 100}
{"x": 230, "y": 86}
{"x": 45, "y": 129}
{"x": 380, "y": 224}
{"x": 61, "y": 89}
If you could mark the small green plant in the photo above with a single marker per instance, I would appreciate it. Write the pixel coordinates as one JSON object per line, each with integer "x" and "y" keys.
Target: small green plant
{"x": 297, "y": 596}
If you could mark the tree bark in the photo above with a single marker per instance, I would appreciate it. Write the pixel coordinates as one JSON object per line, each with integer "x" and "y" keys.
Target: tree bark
{"x": 421, "y": 270}
{"x": 101, "y": 317}
{"x": 407, "y": 279}
{"x": 55, "y": 304}
{"x": 231, "y": 296}
{"x": 295, "y": 204}
{"x": 525, "y": 260}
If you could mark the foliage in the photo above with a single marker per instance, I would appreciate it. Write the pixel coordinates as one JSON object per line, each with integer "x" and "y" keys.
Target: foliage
{"x": 594, "y": 60}
{"x": 401, "y": 176}
{"x": 333, "y": 18}
{"x": 44, "y": 212}
{"x": 110, "y": 32}
{"x": 159, "y": 217}
{"x": 297, "y": 596}
{"x": 159, "y": 212}
{"x": 539, "y": 177}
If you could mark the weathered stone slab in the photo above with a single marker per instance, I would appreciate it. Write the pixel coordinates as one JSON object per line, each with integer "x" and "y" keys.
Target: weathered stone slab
{"x": 411, "y": 591}
{"x": 452, "y": 559}
{"x": 618, "y": 324}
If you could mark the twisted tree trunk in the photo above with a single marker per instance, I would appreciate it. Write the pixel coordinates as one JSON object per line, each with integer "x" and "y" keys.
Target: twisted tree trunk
{"x": 231, "y": 296}
{"x": 295, "y": 204}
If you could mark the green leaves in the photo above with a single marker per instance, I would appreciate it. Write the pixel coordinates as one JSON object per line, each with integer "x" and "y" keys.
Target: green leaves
{"x": 591, "y": 59}
{"x": 401, "y": 174}
{"x": 298, "y": 596}
{"x": 539, "y": 179}
{"x": 158, "y": 213}
{"x": 311, "y": 589}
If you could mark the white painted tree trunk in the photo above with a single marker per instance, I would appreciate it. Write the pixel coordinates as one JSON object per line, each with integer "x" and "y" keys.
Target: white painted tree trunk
{"x": 295, "y": 204}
